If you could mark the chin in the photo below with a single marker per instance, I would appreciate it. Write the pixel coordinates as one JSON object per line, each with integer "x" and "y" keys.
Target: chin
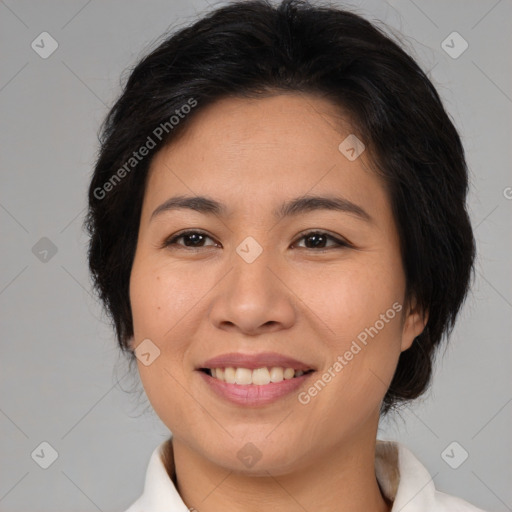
{"x": 249, "y": 459}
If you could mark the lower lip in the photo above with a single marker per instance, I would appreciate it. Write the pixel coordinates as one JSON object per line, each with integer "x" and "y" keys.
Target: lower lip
{"x": 252, "y": 394}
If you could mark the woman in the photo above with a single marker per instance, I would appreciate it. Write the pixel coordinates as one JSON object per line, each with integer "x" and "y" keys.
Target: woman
{"x": 279, "y": 231}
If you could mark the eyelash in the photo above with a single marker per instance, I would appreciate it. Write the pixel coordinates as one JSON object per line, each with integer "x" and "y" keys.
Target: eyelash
{"x": 339, "y": 243}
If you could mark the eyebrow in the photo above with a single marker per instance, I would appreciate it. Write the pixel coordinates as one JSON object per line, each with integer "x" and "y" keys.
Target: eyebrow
{"x": 293, "y": 207}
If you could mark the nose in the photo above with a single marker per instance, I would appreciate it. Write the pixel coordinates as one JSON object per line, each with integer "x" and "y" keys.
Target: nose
{"x": 253, "y": 298}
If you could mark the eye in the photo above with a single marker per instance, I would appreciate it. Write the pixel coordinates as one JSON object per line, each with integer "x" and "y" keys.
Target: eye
{"x": 318, "y": 239}
{"x": 194, "y": 238}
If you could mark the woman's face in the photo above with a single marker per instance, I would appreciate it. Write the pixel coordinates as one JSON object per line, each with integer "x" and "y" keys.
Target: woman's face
{"x": 252, "y": 282}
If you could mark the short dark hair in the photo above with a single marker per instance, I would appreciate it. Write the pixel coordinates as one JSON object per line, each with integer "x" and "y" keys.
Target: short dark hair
{"x": 253, "y": 49}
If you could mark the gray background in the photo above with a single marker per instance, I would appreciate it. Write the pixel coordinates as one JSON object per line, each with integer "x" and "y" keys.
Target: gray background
{"x": 62, "y": 380}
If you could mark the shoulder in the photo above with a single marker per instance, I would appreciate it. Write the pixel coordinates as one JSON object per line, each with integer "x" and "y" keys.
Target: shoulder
{"x": 449, "y": 503}
{"x": 407, "y": 482}
{"x": 160, "y": 492}
{"x": 135, "y": 507}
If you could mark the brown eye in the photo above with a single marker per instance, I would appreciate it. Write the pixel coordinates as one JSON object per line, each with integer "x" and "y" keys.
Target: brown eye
{"x": 318, "y": 239}
{"x": 191, "y": 239}
{"x": 313, "y": 240}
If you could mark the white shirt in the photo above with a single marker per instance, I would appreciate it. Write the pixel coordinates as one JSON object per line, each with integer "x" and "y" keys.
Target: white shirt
{"x": 401, "y": 476}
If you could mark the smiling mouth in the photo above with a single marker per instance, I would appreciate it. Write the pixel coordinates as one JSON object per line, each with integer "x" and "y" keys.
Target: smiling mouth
{"x": 259, "y": 376}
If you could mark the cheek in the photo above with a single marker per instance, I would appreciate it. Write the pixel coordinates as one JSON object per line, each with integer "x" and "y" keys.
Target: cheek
{"x": 353, "y": 297}
{"x": 162, "y": 301}
{"x": 361, "y": 304}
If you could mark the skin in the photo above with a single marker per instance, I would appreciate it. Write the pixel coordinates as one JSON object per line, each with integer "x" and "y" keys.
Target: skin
{"x": 198, "y": 301}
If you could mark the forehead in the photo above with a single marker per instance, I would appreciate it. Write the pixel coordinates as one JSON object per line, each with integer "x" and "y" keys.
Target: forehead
{"x": 244, "y": 151}
{"x": 278, "y": 121}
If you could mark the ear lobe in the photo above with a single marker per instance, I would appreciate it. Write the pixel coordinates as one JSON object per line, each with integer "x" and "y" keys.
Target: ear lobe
{"x": 414, "y": 325}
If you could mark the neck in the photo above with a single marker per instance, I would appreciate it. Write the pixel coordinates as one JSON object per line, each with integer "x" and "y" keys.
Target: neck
{"x": 342, "y": 478}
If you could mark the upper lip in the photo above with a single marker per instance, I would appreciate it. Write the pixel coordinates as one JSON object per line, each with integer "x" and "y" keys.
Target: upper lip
{"x": 253, "y": 361}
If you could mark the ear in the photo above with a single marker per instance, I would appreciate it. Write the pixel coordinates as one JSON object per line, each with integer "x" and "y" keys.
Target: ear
{"x": 414, "y": 324}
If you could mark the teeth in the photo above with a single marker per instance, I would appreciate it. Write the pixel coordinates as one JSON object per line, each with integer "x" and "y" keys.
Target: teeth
{"x": 259, "y": 376}
{"x": 229, "y": 375}
{"x": 276, "y": 374}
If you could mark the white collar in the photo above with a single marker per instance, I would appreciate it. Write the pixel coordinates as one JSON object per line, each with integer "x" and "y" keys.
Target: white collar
{"x": 401, "y": 476}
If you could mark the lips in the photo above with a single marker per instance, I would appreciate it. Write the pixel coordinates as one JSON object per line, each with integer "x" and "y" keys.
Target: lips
{"x": 254, "y": 361}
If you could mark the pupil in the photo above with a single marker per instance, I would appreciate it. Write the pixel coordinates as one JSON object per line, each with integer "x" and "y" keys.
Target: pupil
{"x": 195, "y": 237}
{"x": 316, "y": 237}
